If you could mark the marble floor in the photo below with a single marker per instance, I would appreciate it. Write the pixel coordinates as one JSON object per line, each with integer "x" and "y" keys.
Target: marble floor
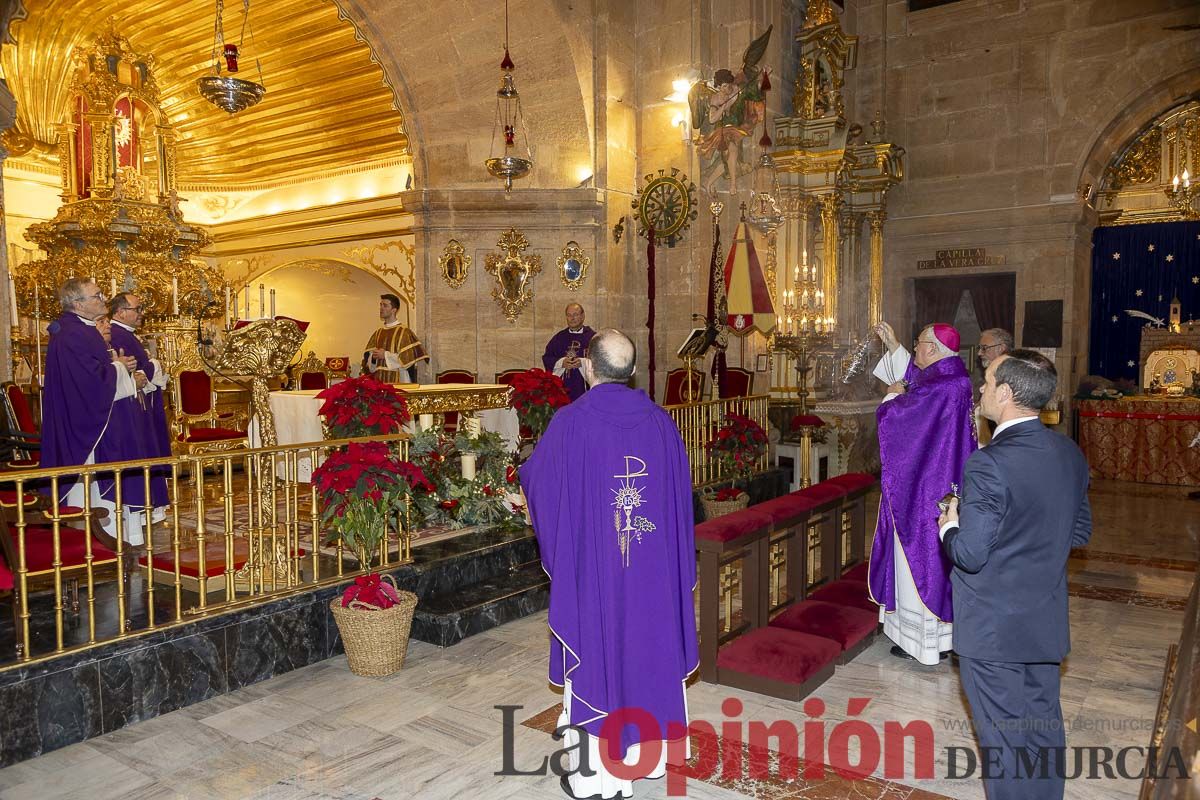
{"x": 433, "y": 730}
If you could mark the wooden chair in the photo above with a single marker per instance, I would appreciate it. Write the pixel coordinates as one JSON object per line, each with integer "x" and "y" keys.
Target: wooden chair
{"x": 197, "y": 426}
{"x": 311, "y": 373}
{"x": 338, "y": 366}
{"x": 450, "y": 418}
{"x": 678, "y": 381}
{"x": 507, "y": 376}
{"x": 22, "y": 430}
{"x": 738, "y": 383}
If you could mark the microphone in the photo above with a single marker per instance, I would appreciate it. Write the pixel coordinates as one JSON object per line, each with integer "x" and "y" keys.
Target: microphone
{"x": 201, "y": 339}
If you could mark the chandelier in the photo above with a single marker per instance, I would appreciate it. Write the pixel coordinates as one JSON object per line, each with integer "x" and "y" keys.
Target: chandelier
{"x": 511, "y": 162}
{"x": 226, "y": 92}
{"x": 1184, "y": 197}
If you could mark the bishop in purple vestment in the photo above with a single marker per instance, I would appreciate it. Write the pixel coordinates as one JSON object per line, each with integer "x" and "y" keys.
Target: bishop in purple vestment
{"x": 610, "y": 497}
{"x": 925, "y": 437}
{"x": 566, "y": 348}
{"x": 82, "y": 383}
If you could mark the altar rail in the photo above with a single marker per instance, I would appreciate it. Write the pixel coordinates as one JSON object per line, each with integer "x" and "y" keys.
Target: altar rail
{"x": 699, "y": 423}
{"x": 241, "y": 529}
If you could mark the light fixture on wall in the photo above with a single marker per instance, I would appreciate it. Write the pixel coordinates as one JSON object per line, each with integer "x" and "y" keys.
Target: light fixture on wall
{"x": 1184, "y": 197}
{"x": 224, "y": 91}
{"x": 685, "y": 130}
{"x": 510, "y": 162}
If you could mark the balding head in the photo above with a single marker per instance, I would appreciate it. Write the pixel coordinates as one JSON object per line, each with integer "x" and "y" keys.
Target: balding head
{"x": 612, "y": 358}
{"x": 574, "y": 313}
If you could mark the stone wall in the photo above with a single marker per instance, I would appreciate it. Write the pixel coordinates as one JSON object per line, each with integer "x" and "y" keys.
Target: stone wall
{"x": 1007, "y": 108}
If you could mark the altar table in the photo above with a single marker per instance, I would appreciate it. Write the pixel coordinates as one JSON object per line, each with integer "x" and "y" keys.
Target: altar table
{"x": 297, "y": 420}
{"x": 1145, "y": 439}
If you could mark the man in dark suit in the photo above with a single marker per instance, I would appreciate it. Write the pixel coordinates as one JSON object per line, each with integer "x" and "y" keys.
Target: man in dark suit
{"x": 1024, "y": 507}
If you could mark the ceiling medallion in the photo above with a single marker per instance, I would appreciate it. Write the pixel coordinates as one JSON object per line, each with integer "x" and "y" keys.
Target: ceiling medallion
{"x": 224, "y": 91}
{"x": 667, "y": 203}
{"x": 514, "y": 274}
{"x": 512, "y": 162}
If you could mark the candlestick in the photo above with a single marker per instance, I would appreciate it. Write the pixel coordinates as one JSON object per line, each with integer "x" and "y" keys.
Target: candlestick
{"x": 272, "y": 304}
{"x": 112, "y": 289}
{"x": 262, "y": 300}
{"x": 175, "y": 296}
{"x": 247, "y": 314}
{"x": 12, "y": 293}
{"x": 228, "y": 312}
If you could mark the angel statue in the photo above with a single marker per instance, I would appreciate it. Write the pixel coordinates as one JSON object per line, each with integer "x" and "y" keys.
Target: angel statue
{"x": 726, "y": 110}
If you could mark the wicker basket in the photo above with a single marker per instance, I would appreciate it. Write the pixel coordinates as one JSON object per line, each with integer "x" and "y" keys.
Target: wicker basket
{"x": 376, "y": 639}
{"x": 717, "y": 508}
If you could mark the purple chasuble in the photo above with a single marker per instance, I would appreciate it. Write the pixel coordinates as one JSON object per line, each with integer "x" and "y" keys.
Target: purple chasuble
{"x": 925, "y": 437}
{"x": 558, "y": 347}
{"x": 130, "y": 435}
{"x": 610, "y": 495}
{"x": 156, "y": 421}
{"x": 80, "y": 385}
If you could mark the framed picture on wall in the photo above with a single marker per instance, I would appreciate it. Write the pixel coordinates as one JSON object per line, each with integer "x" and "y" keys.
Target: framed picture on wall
{"x": 762, "y": 362}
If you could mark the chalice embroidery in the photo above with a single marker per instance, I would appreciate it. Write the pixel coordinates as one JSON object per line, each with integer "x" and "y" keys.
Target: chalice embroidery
{"x": 630, "y": 527}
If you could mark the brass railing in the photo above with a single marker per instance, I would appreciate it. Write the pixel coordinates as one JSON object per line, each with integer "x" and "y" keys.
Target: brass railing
{"x": 242, "y": 527}
{"x": 699, "y": 423}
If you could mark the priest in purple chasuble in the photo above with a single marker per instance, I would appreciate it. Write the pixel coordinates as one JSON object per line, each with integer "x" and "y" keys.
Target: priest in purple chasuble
{"x": 610, "y": 497}
{"x": 393, "y": 351}
{"x": 925, "y": 437}
{"x": 83, "y": 381}
{"x": 566, "y": 349}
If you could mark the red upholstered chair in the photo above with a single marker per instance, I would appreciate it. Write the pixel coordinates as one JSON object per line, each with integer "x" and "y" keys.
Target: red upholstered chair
{"x": 507, "y": 376}
{"x": 310, "y": 374}
{"x": 678, "y": 383}
{"x": 738, "y": 383}
{"x": 22, "y": 430}
{"x": 450, "y": 418}
{"x": 40, "y": 556}
{"x": 338, "y": 366}
{"x": 198, "y": 428}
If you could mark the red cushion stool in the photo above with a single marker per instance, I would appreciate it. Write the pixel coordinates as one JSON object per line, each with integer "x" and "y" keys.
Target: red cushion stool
{"x": 852, "y": 628}
{"x": 846, "y": 593}
{"x": 778, "y": 662}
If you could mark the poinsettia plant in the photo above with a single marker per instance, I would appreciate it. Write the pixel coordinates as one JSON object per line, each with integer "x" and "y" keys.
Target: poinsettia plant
{"x": 536, "y": 395}
{"x": 738, "y": 446}
{"x": 363, "y": 407}
{"x": 361, "y": 487}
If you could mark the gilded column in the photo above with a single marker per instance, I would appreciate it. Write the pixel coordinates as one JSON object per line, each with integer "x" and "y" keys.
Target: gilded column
{"x": 851, "y": 278}
{"x": 829, "y": 256}
{"x": 8, "y": 115}
{"x": 875, "y": 294}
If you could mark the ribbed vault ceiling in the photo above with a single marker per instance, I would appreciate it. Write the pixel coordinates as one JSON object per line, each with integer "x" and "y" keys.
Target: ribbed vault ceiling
{"x": 326, "y": 107}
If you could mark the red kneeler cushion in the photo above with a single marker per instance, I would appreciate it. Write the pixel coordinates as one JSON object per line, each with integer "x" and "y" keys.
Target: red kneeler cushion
{"x": 846, "y": 593}
{"x": 785, "y": 508}
{"x": 820, "y": 494}
{"x": 779, "y": 654}
{"x": 211, "y": 435}
{"x": 214, "y": 558}
{"x": 858, "y": 572}
{"x": 39, "y": 551}
{"x": 853, "y": 481}
{"x": 845, "y": 625}
{"x": 8, "y": 498}
{"x": 728, "y": 527}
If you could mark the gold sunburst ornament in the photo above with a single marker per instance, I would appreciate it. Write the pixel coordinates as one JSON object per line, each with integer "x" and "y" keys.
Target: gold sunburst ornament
{"x": 513, "y": 273}
{"x": 666, "y": 203}
{"x": 221, "y": 88}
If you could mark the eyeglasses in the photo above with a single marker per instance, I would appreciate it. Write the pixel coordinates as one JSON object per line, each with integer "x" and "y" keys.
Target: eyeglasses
{"x": 983, "y": 347}
{"x": 918, "y": 342}
{"x": 96, "y": 296}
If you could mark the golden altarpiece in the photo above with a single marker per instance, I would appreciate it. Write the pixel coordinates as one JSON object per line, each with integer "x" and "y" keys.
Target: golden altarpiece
{"x": 832, "y": 181}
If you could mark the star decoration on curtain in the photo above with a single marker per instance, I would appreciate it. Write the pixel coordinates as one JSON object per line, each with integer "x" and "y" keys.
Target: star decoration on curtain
{"x": 1150, "y": 248}
{"x": 1170, "y": 257}
{"x": 1160, "y": 298}
{"x": 1196, "y": 279}
{"x": 1117, "y": 256}
{"x": 1129, "y": 363}
{"x": 1115, "y": 317}
{"x": 1138, "y": 292}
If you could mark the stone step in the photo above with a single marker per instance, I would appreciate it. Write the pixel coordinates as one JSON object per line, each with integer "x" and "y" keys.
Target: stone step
{"x": 451, "y": 565}
{"x": 448, "y": 618}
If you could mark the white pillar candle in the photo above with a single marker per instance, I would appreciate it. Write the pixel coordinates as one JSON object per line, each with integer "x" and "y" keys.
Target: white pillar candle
{"x": 112, "y": 289}
{"x": 425, "y": 421}
{"x": 12, "y": 295}
{"x": 272, "y": 304}
{"x": 262, "y": 300}
{"x": 228, "y": 304}
{"x": 468, "y": 466}
{"x": 247, "y": 314}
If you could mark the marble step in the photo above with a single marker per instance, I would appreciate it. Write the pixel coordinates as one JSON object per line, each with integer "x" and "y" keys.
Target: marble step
{"x": 448, "y": 618}
{"x": 450, "y": 566}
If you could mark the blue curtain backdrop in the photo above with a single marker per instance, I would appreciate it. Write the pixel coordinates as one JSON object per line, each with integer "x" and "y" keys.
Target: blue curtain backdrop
{"x": 1139, "y": 267}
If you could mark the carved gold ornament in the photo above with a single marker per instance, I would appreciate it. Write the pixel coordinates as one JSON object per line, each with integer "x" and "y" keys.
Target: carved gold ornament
{"x": 666, "y": 203}
{"x": 573, "y": 266}
{"x": 455, "y": 264}
{"x": 514, "y": 274}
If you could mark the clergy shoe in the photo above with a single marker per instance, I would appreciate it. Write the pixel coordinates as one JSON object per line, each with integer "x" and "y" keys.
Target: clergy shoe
{"x": 898, "y": 652}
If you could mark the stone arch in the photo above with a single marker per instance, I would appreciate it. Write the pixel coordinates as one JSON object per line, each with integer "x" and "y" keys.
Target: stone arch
{"x": 1132, "y": 117}
{"x": 444, "y": 77}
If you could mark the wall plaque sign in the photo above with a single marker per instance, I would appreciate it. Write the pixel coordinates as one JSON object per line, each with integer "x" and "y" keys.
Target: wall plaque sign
{"x": 958, "y": 257}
